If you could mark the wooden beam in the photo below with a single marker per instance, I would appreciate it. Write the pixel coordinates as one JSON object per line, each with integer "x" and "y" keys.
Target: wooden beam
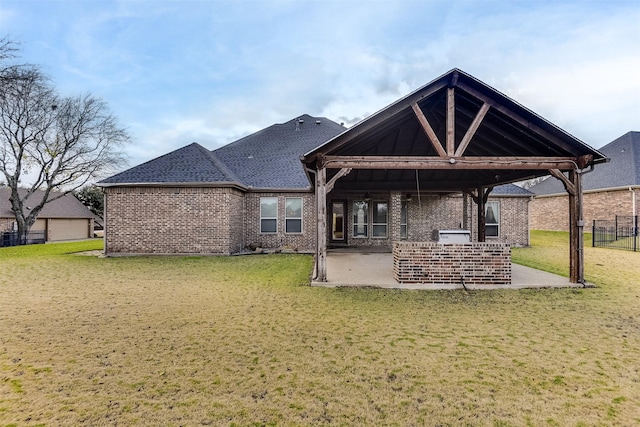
{"x": 321, "y": 249}
{"x": 451, "y": 121}
{"x": 472, "y": 130}
{"x": 342, "y": 172}
{"x": 428, "y": 130}
{"x": 452, "y": 163}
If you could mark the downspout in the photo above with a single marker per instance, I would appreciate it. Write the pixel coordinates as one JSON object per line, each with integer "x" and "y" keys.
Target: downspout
{"x": 633, "y": 201}
{"x": 105, "y": 210}
{"x": 315, "y": 263}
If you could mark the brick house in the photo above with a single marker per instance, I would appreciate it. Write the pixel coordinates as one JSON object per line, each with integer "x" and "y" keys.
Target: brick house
{"x": 65, "y": 218}
{"x": 254, "y": 192}
{"x": 443, "y": 157}
{"x": 610, "y": 189}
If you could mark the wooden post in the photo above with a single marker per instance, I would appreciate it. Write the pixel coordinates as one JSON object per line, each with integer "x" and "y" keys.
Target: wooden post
{"x": 481, "y": 215}
{"x": 573, "y": 232}
{"x": 573, "y": 185}
{"x": 576, "y": 229}
{"x": 321, "y": 250}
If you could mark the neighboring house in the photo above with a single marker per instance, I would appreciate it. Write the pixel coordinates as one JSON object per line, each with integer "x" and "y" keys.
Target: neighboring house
{"x": 610, "y": 189}
{"x": 65, "y": 218}
{"x": 427, "y": 162}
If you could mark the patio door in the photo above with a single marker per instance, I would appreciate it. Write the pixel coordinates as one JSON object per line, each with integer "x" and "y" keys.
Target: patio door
{"x": 338, "y": 226}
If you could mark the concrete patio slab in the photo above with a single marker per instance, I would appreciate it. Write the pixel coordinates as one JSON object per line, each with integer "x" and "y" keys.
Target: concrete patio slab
{"x": 375, "y": 269}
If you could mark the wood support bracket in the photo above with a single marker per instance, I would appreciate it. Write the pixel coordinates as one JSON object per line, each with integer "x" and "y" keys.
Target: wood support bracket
{"x": 568, "y": 185}
{"x": 472, "y": 130}
{"x": 428, "y": 130}
{"x": 342, "y": 172}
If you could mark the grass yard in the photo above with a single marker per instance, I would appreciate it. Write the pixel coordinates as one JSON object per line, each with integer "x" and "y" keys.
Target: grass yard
{"x": 238, "y": 341}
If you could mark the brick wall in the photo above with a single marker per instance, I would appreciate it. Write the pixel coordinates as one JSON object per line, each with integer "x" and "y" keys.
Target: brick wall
{"x": 433, "y": 263}
{"x": 303, "y": 242}
{"x": 552, "y": 212}
{"x": 164, "y": 220}
{"x": 437, "y": 212}
{"x": 514, "y": 220}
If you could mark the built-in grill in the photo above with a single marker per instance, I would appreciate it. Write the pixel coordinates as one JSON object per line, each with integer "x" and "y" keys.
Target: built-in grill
{"x": 452, "y": 236}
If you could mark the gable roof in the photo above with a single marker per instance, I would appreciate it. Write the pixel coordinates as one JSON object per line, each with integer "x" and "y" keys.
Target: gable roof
{"x": 68, "y": 206}
{"x": 267, "y": 159}
{"x": 502, "y": 128}
{"x": 192, "y": 164}
{"x": 622, "y": 170}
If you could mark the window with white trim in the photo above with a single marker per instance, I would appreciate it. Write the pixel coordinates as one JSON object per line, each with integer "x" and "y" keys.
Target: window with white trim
{"x": 380, "y": 215}
{"x": 293, "y": 215}
{"x": 360, "y": 218}
{"x": 492, "y": 219}
{"x": 268, "y": 215}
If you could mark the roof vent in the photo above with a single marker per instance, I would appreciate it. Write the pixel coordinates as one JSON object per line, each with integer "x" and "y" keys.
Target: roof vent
{"x": 318, "y": 122}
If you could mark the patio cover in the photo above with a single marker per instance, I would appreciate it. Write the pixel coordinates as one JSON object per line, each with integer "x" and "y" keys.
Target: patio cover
{"x": 455, "y": 134}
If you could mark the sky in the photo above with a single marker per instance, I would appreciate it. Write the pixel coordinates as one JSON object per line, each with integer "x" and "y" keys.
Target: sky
{"x": 213, "y": 71}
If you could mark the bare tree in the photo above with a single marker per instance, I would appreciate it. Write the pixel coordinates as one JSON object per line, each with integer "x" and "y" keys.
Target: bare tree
{"x": 59, "y": 143}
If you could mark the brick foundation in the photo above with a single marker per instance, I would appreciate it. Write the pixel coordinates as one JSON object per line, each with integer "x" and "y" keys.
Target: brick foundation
{"x": 434, "y": 263}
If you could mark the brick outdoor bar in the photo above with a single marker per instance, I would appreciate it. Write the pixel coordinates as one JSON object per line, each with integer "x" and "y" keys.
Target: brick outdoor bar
{"x": 436, "y": 263}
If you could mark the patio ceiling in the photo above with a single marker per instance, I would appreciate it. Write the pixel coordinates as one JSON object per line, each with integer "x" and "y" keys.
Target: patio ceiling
{"x": 455, "y": 133}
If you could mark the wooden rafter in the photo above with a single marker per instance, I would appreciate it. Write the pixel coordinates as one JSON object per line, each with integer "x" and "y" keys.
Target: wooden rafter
{"x": 428, "y": 130}
{"x": 472, "y": 130}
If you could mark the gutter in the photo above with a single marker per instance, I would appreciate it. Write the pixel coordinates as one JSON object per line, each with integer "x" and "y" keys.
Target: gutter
{"x": 175, "y": 184}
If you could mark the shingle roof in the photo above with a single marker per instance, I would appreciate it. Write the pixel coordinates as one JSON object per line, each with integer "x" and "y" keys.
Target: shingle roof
{"x": 510, "y": 190}
{"x": 270, "y": 158}
{"x": 623, "y": 168}
{"x": 65, "y": 207}
{"x": 190, "y": 164}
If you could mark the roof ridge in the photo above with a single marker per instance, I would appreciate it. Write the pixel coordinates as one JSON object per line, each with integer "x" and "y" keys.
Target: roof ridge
{"x": 218, "y": 163}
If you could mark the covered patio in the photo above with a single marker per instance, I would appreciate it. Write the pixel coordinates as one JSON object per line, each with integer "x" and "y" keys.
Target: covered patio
{"x": 373, "y": 268}
{"x": 455, "y": 135}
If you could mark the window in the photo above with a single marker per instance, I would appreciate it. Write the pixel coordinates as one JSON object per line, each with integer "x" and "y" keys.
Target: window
{"x": 293, "y": 215}
{"x": 492, "y": 219}
{"x": 268, "y": 214}
{"x": 379, "y": 219}
{"x": 404, "y": 208}
{"x": 360, "y": 219}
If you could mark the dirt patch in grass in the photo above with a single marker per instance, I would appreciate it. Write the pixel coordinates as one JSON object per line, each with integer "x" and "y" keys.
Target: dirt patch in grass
{"x": 241, "y": 341}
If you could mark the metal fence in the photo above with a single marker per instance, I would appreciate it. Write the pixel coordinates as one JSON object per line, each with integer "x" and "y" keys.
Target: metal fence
{"x": 11, "y": 238}
{"x": 620, "y": 233}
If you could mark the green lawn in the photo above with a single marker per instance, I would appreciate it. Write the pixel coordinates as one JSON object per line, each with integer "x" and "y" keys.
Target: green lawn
{"x": 241, "y": 341}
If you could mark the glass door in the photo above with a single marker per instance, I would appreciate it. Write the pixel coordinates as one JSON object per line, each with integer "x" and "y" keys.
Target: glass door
{"x": 338, "y": 228}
